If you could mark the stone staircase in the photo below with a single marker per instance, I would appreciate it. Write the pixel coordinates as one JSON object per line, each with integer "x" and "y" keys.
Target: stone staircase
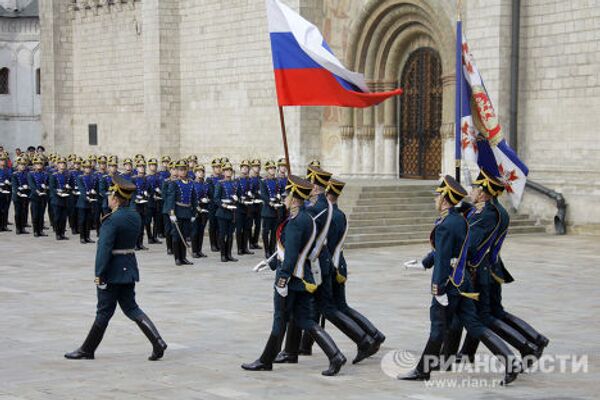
{"x": 400, "y": 214}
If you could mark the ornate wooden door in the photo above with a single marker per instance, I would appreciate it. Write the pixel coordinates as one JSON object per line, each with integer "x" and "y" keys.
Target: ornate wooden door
{"x": 421, "y": 116}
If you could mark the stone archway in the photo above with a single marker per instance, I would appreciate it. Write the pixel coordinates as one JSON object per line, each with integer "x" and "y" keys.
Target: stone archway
{"x": 382, "y": 38}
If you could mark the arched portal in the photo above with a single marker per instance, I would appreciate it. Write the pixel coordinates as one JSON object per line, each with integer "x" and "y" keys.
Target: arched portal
{"x": 420, "y": 116}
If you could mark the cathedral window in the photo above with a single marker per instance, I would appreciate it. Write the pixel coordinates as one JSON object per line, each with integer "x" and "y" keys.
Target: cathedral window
{"x": 4, "y": 73}
{"x": 38, "y": 82}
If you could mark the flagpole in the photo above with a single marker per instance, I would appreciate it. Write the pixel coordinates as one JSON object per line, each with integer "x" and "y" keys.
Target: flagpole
{"x": 459, "y": 79}
{"x": 285, "y": 143}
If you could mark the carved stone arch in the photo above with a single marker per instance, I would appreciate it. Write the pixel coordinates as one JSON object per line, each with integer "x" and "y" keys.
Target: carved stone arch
{"x": 382, "y": 37}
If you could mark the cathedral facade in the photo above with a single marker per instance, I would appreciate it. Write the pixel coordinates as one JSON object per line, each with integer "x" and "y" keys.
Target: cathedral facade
{"x": 184, "y": 77}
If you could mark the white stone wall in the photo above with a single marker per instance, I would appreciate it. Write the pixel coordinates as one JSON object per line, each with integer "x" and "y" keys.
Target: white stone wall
{"x": 20, "y": 109}
{"x": 109, "y": 73}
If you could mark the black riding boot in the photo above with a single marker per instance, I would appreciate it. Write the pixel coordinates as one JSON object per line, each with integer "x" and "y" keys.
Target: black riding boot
{"x": 289, "y": 355}
{"x": 183, "y": 253}
{"x": 200, "y": 243}
{"x": 333, "y": 353}
{"x": 450, "y": 347}
{"x": 89, "y": 346}
{"x": 530, "y": 353}
{"x": 246, "y": 243}
{"x": 223, "y": 247}
{"x": 526, "y": 330}
{"x": 230, "y": 248}
{"x": 265, "y": 239}
{"x": 365, "y": 344}
{"x": 151, "y": 236}
{"x": 503, "y": 353}
{"x": 240, "y": 243}
{"x": 429, "y": 360}
{"x": 176, "y": 250}
{"x": 265, "y": 361}
{"x": 366, "y": 325}
{"x": 169, "y": 240}
{"x": 195, "y": 250}
{"x": 158, "y": 344}
{"x": 215, "y": 242}
{"x": 306, "y": 343}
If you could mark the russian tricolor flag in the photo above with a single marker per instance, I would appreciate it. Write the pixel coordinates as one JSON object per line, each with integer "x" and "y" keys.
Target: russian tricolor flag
{"x": 307, "y": 73}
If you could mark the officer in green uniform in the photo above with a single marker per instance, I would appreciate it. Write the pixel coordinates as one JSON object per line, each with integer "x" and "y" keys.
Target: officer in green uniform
{"x": 117, "y": 272}
{"x": 451, "y": 288}
{"x": 295, "y": 283}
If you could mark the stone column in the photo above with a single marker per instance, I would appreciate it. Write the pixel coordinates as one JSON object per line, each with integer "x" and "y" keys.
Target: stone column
{"x": 367, "y": 137}
{"x": 390, "y": 133}
{"x": 347, "y": 136}
{"x": 447, "y": 128}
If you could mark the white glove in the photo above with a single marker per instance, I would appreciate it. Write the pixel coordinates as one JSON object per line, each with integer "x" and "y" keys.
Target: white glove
{"x": 43, "y": 186}
{"x": 173, "y": 218}
{"x": 7, "y": 181}
{"x": 283, "y": 292}
{"x": 92, "y": 191}
{"x": 231, "y": 207}
{"x": 193, "y": 219}
{"x": 414, "y": 264}
{"x": 443, "y": 299}
{"x": 25, "y": 187}
{"x": 204, "y": 200}
{"x": 146, "y": 193}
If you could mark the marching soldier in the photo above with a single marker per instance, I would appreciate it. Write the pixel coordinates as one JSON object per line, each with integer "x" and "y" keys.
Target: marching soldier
{"x": 226, "y": 196}
{"x": 271, "y": 208}
{"x": 38, "y": 196}
{"x": 295, "y": 283}
{"x": 165, "y": 188}
{"x": 255, "y": 185}
{"x": 243, "y": 221}
{"x": 487, "y": 225}
{"x": 20, "y": 195}
{"x": 213, "y": 224}
{"x": 451, "y": 287}
{"x": 502, "y": 276}
{"x": 154, "y": 206}
{"x": 141, "y": 202}
{"x": 5, "y": 191}
{"x": 181, "y": 203}
{"x": 322, "y": 211}
{"x": 201, "y": 190}
{"x": 117, "y": 272}
{"x": 86, "y": 187}
{"x": 58, "y": 198}
{"x": 335, "y": 243}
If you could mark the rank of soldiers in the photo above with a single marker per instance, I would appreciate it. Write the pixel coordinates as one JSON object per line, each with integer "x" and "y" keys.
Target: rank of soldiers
{"x": 303, "y": 232}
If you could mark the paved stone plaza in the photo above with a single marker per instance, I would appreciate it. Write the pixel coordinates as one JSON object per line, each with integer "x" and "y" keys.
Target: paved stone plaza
{"x": 215, "y": 316}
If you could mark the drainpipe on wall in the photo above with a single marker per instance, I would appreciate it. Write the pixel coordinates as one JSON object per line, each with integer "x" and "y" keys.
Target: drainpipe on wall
{"x": 514, "y": 74}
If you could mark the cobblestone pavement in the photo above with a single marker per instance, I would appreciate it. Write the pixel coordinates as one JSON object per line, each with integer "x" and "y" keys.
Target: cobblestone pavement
{"x": 216, "y": 316}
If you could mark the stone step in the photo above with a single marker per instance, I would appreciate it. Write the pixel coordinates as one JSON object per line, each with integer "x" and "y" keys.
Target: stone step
{"x": 357, "y": 223}
{"x": 377, "y": 201}
{"x": 376, "y": 237}
{"x": 395, "y": 207}
{"x": 395, "y": 194}
{"x": 388, "y": 214}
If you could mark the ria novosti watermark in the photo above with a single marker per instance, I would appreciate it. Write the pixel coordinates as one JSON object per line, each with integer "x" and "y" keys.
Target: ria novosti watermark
{"x": 399, "y": 362}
